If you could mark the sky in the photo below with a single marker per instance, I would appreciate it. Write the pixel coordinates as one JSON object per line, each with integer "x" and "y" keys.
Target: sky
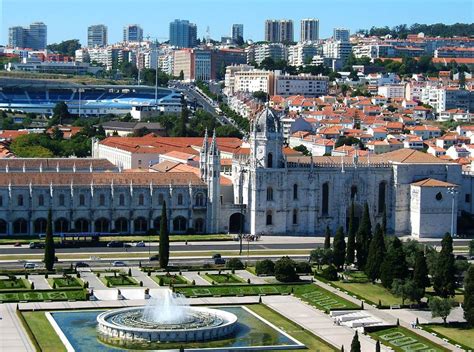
{"x": 69, "y": 19}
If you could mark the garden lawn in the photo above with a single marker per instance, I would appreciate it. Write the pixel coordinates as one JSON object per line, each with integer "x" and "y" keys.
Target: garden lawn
{"x": 458, "y": 333}
{"x": 16, "y": 284}
{"x": 43, "y": 332}
{"x": 62, "y": 282}
{"x": 42, "y": 295}
{"x": 119, "y": 280}
{"x": 170, "y": 279}
{"x": 312, "y": 342}
{"x": 370, "y": 292}
{"x": 224, "y": 278}
{"x": 321, "y": 298}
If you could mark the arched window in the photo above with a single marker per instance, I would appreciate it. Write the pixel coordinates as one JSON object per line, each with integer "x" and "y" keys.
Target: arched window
{"x": 269, "y": 194}
{"x": 199, "y": 225}
{"x": 61, "y": 199}
{"x": 140, "y": 225}
{"x": 121, "y": 200}
{"x": 102, "y": 200}
{"x": 20, "y": 227}
{"x": 40, "y": 225}
{"x": 180, "y": 199}
{"x": 1, "y": 201}
{"x": 382, "y": 196}
{"x": 82, "y": 200}
{"x": 160, "y": 199}
{"x": 81, "y": 225}
{"x": 269, "y": 218}
{"x": 3, "y": 226}
{"x": 353, "y": 192}
{"x": 20, "y": 200}
{"x": 61, "y": 225}
{"x": 121, "y": 225}
{"x": 141, "y": 199}
{"x": 179, "y": 224}
{"x": 270, "y": 160}
{"x": 325, "y": 199}
{"x": 101, "y": 225}
{"x": 295, "y": 216}
{"x": 40, "y": 200}
{"x": 199, "y": 200}
{"x": 295, "y": 191}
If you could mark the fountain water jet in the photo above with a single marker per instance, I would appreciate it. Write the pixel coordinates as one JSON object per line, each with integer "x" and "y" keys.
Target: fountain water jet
{"x": 170, "y": 308}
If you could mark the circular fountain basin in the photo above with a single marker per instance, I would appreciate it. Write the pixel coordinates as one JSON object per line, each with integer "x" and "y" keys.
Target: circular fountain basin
{"x": 198, "y": 324}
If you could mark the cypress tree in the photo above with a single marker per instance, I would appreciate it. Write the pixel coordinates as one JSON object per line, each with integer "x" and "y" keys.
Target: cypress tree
{"x": 327, "y": 238}
{"x": 164, "y": 249}
{"x": 350, "y": 253}
{"x": 384, "y": 220}
{"x": 363, "y": 237}
{"x": 339, "y": 248}
{"x": 377, "y": 346}
{"x": 49, "y": 252}
{"x": 469, "y": 296}
{"x": 394, "y": 265}
{"x": 444, "y": 280}
{"x": 376, "y": 254}
{"x": 420, "y": 271}
{"x": 355, "y": 345}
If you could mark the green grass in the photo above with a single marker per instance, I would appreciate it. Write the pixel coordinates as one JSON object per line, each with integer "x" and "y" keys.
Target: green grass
{"x": 311, "y": 341}
{"x": 321, "y": 298}
{"x": 458, "y": 295}
{"x": 42, "y": 295}
{"x": 62, "y": 282}
{"x": 14, "y": 284}
{"x": 119, "y": 280}
{"x": 43, "y": 332}
{"x": 457, "y": 333}
{"x": 371, "y": 293}
{"x": 224, "y": 278}
{"x": 401, "y": 339}
{"x": 168, "y": 279}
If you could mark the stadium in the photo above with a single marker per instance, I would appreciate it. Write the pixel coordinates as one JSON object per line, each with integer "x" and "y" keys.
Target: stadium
{"x": 40, "y": 96}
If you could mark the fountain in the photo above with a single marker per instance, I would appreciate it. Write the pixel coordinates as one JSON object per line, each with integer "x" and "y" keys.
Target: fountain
{"x": 165, "y": 319}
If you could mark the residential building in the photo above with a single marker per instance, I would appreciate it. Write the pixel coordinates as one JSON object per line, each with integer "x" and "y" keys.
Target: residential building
{"x": 303, "y": 53}
{"x": 196, "y": 64}
{"x": 97, "y": 35}
{"x": 454, "y": 52}
{"x": 446, "y": 98}
{"x": 34, "y": 36}
{"x": 304, "y": 84}
{"x": 132, "y": 33}
{"x": 392, "y": 91}
{"x": 237, "y": 32}
{"x": 183, "y": 34}
{"x": 253, "y": 81}
{"x": 341, "y": 34}
{"x": 337, "y": 49}
{"x": 279, "y": 31}
{"x": 258, "y": 53}
{"x": 36, "y": 65}
{"x": 309, "y": 30}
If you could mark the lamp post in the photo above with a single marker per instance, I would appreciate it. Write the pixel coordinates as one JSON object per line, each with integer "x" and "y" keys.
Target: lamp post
{"x": 453, "y": 191}
{"x": 241, "y": 201}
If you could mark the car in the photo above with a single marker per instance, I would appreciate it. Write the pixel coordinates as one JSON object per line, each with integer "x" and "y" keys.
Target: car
{"x": 81, "y": 265}
{"x": 29, "y": 265}
{"x": 35, "y": 245}
{"x": 216, "y": 256}
{"x": 154, "y": 258}
{"x": 17, "y": 244}
{"x": 115, "y": 244}
{"x": 460, "y": 257}
{"x": 140, "y": 244}
{"x": 219, "y": 261}
{"x": 118, "y": 263}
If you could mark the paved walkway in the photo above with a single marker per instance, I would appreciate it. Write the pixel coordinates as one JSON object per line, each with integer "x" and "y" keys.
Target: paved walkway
{"x": 318, "y": 322}
{"x": 93, "y": 280}
{"x": 39, "y": 282}
{"x": 198, "y": 279}
{"x": 148, "y": 282}
{"x": 13, "y": 337}
{"x": 254, "y": 279}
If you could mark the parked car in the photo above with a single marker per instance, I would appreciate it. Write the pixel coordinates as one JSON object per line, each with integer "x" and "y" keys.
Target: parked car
{"x": 81, "y": 265}
{"x": 154, "y": 258}
{"x": 115, "y": 244}
{"x": 35, "y": 245}
{"x": 118, "y": 263}
{"x": 219, "y": 261}
{"x": 29, "y": 265}
{"x": 17, "y": 244}
{"x": 140, "y": 244}
{"x": 217, "y": 255}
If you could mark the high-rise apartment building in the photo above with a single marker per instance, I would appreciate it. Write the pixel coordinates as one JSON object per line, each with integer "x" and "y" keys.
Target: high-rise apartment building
{"x": 183, "y": 34}
{"x": 97, "y": 35}
{"x": 279, "y": 31}
{"x": 132, "y": 33}
{"x": 341, "y": 34}
{"x": 237, "y": 32}
{"x": 34, "y": 36}
{"x": 309, "y": 30}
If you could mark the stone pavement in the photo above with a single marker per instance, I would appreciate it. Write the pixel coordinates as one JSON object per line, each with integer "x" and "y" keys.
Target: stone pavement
{"x": 142, "y": 276}
{"x": 39, "y": 282}
{"x": 13, "y": 338}
{"x": 94, "y": 281}
{"x": 254, "y": 279}
{"x": 198, "y": 279}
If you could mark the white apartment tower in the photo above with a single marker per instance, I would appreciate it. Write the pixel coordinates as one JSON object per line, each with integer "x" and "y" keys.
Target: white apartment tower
{"x": 97, "y": 35}
{"x": 309, "y": 30}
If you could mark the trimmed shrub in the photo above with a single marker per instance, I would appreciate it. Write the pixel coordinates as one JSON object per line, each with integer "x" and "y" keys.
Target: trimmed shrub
{"x": 303, "y": 268}
{"x": 265, "y": 267}
{"x": 235, "y": 264}
{"x": 330, "y": 273}
{"x": 285, "y": 270}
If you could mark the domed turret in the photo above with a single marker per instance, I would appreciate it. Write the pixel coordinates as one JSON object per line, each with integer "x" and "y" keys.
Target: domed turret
{"x": 267, "y": 122}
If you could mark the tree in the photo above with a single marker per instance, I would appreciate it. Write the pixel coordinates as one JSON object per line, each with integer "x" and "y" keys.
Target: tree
{"x": 321, "y": 256}
{"x": 265, "y": 267}
{"x": 444, "y": 280}
{"x": 471, "y": 248}
{"x": 469, "y": 296}
{"x": 260, "y": 95}
{"x": 60, "y": 112}
{"x": 384, "y": 221}
{"x": 49, "y": 252}
{"x": 302, "y": 149}
{"x": 234, "y": 264}
{"x": 56, "y": 133}
{"x": 339, "y": 248}
{"x": 181, "y": 75}
{"x": 394, "y": 265}
{"x": 327, "y": 238}
{"x": 420, "y": 272}
{"x": 355, "y": 345}
{"x": 440, "y": 307}
{"x": 377, "y": 346}
{"x": 285, "y": 270}
{"x": 376, "y": 254}
{"x": 350, "y": 253}
{"x": 180, "y": 128}
{"x": 67, "y": 47}
{"x": 407, "y": 290}
{"x": 164, "y": 249}
{"x": 363, "y": 237}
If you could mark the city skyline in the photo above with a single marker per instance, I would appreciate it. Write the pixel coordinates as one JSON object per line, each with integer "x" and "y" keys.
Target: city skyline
{"x": 155, "y": 23}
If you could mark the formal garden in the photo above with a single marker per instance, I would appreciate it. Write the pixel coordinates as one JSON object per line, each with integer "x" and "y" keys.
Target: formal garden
{"x": 457, "y": 333}
{"x": 222, "y": 278}
{"x": 43, "y": 295}
{"x": 14, "y": 283}
{"x": 170, "y": 279}
{"x": 119, "y": 280}
{"x": 65, "y": 281}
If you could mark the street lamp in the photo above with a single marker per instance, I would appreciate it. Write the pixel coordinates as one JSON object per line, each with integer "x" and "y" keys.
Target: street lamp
{"x": 453, "y": 191}
{"x": 241, "y": 201}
